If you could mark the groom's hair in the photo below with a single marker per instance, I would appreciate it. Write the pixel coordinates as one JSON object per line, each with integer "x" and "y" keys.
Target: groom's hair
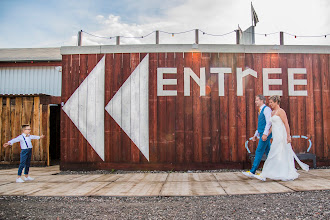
{"x": 261, "y": 97}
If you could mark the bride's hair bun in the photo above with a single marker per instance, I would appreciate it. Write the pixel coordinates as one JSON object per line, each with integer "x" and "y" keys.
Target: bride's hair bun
{"x": 275, "y": 98}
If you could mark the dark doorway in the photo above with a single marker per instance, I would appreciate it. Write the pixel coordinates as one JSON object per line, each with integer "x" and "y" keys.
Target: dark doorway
{"x": 54, "y": 145}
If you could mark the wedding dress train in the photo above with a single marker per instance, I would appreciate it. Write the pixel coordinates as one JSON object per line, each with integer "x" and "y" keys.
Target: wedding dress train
{"x": 280, "y": 164}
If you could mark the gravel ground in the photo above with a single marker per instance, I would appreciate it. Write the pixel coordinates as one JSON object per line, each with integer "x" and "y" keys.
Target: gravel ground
{"x": 298, "y": 205}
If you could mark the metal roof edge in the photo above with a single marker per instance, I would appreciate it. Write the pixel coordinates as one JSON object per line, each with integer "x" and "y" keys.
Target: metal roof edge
{"x": 206, "y": 48}
{"x": 30, "y": 54}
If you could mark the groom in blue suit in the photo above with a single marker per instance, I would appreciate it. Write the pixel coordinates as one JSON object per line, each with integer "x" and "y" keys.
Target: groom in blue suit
{"x": 264, "y": 125}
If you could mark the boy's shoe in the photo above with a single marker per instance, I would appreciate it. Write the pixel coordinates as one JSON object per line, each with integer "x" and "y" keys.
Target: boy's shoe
{"x": 248, "y": 174}
{"x": 29, "y": 178}
{"x": 19, "y": 180}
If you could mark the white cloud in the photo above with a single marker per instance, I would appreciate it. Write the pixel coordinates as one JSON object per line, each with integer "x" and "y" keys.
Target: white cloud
{"x": 301, "y": 17}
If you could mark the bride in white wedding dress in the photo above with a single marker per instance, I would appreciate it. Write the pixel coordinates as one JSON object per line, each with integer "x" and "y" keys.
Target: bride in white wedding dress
{"x": 280, "y": 164}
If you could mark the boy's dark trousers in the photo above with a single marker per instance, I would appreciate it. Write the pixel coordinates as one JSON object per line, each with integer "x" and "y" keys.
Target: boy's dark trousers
{"x": 25, "y": 161}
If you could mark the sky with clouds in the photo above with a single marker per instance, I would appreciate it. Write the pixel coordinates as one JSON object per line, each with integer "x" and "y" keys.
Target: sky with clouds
{"x": 54, "y": 23}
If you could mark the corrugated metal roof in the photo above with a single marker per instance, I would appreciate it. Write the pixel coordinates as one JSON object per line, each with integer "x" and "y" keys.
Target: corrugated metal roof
{"x": 30, "y": 54}
{"x": 31, "y": 80}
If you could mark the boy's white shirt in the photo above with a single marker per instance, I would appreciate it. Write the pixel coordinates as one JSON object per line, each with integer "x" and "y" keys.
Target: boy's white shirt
{"x": 268, "y": 114}
{"x": 22, "y": 142}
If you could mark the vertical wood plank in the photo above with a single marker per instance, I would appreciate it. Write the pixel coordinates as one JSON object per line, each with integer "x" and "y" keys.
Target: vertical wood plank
{"x": 301, "y": 101}
{"x": 41, "y": 144}
{"x": 308, "y": 63}
{"x": 91, "y": 154}
{"x": 7, "y": 131}
{"x": 213, "y": 82}
{"x": 127, "y": 144}
{"x": 241, "y": 113}
{"x": 170, "y": 113}
{"x": 188, "y": 115}
{"x": 293, "y": 100}
{"x": 250, "y": 97}
{"x": 207, "y": 150}
{"x": 325, "y": 78}
{"x": 258, "y": 88}
{"x": 162, "y": 120}
{"x": 232, "y": 62}
{"x": 36, "y": 128}
{"x": 153, "y": 123}
{"x": 115, "y": 129}
{"x": 44, "y": 131}
{"x": 83, "y": 73}
{"x": 18, "y": 122}
{"x": 285, "y": 59}
{"x": 318, "y": 117}
{"x": 179, "y": 109}
{"x": 135, "y": 152}
{"x": 142, "y": 158}
{"x": 48, "y": 135}
{"x": 75, "y": 148}
{"x": 225, "y": 61}
{"x": 12, "y": 126}
{"x": 2, "y": 141}
{"x": 197, "y": 110}
{"x": 107, "y": 97}
{"x": 64, "y": 117}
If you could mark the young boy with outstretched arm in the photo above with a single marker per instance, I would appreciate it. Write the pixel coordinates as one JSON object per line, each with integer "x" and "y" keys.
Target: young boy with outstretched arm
{"x": 26, "y": 152}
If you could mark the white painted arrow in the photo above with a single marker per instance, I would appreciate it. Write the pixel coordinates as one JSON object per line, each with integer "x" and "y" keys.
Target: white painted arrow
{"x": 85, "y": 108}
{"x": 129, "y": 107}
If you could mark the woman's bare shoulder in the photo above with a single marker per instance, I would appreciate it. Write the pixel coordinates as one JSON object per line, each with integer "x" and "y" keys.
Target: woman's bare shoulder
{"x": 281, "y": 111}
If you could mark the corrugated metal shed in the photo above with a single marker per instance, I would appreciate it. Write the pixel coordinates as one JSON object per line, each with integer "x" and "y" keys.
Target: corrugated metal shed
{"x": 30, "y": 54}
{"x": 31, "y": 80}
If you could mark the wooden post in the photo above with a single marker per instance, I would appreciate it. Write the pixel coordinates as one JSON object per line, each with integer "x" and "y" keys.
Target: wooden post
{"x": 48, "y": 135}
{"x": 196, "y": 36}
{"x": 281, "y": 38}
{"x": 79, "y": 37}
{"x": 118, "y": 40}
{"x": 157, "y": 37}
{"x": 237, "y": 37}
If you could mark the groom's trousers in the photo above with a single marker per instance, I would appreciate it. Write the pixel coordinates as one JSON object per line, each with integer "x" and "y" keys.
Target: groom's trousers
{"x": 263, "y": 147}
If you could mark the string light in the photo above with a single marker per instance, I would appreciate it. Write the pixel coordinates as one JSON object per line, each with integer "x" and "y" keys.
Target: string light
{"x": 204, "y": 33}
{"x": 216, "y": 35}
{"x": 307, "y": 36}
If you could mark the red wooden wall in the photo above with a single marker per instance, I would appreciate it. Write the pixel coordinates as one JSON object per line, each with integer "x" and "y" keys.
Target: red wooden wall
{"x": 198, "y": 132}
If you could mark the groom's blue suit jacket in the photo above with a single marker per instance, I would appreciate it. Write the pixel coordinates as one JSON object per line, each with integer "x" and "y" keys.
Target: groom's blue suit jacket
{"x": 262, "y": 121}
